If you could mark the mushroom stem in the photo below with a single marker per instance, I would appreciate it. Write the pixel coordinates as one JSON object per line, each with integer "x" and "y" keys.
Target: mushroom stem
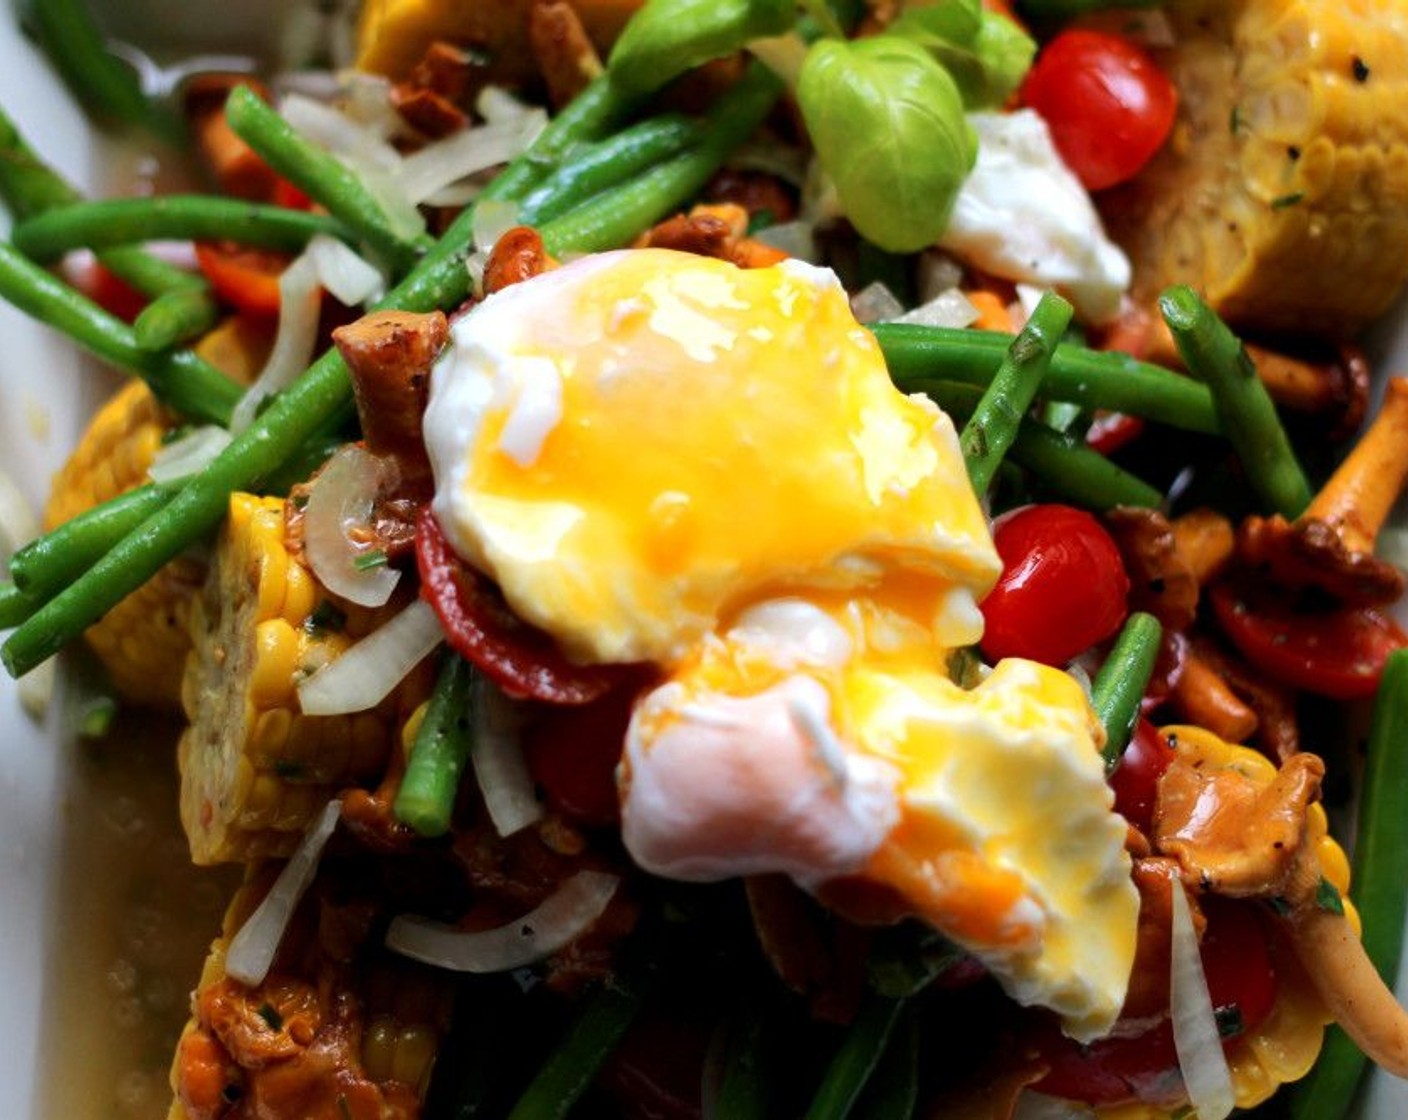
{"x": 1360, "y": 493}
{"x": 1336, "y": 387}
{"x": 1203, "y": 698}
{"x": 1343, "y": 974}
{"x": 1205, "y": 541}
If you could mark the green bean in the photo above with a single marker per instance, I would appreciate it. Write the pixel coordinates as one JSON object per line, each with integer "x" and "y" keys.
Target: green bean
{"x": 1119, "y": 686}
{"x": 125, "y": 221}
{"x": 599, "y": 1024}
{"x": 29, "y": 187}
{"x": 1217, "y": 357}
{"x": 321, "y": 176}
{"x": 607, "y": 164}
{"x": 1379, "y": 884}
{"x": 181, "y": 379}
{"x": 991, "y": 429}
{"x": 15, "y": 605}
{"x": 893, "y": 1092}
{"x": 176, "y": 318}
{"x": 105, "y": 85}
{"x": 745, "y": 1088}
{"x": 1094, "y": 378}
{"x": 301, "y": 411}
{"x": 426, "y": 799}
{"x": 613, "y": 218}
{"x": 51, "y": 561}
{"x": 845, "y": 1078}
{"x": 1065, "y": 464}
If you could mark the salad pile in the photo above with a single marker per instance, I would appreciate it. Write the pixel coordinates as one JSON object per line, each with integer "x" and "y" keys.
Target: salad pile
{"x": 742, "y": 559}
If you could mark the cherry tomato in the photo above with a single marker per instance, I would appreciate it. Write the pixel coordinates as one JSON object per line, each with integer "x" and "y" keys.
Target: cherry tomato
{"x": 1110, "y": 431}
{"x": 1108, "y": 105}
{"x": 572, "y": 755}
{"x": 289, "y": 197}
{"x": 1136, "y": 779}
{"x": 1062, "y": 589}
{"x": 1339, "y": 652}
{"x": 246, "y": 279}
{"x": 1242, "y": 983}
{"x": 519, "y": 658}
{"x": 109, "y": 291}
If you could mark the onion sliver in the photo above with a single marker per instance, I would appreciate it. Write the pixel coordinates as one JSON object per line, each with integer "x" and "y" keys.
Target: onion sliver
{"x": 365, "y": 674}
{"x": 566, "y": 914}
{"x": 1195, "y": 1035}
{"x": 947, "y": 309}
{"x": 299, "y": 305}
{"x": 189, "y": 454}
{"x": 876, "y": 303}
{"x": 497, "y": 758}
{"x": 252, "y": 949}
{"x": 796, "y": 239}
{"x": 492, "y": 219}
{"x": 339, "y": 503}
{"x": 463, "y": 153}
{"x": 351, "y": 279}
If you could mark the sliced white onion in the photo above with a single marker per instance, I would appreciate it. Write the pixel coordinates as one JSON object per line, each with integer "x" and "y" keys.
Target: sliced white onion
{"x": 498, "y": 106}
{"x": 876, "y": 303}
{"x": 18, "y": 523}
{"x": 492, "y": 219}
{"x": 299, "y": 305}
{"x": 351, "y": 279}
{"x": 475, "y": 264}
{"x": 252, "y": 949}
{"x": 1195, "y": 1035}
{"x": 497, "y": 758}
{"x": 36, "y": 688}
{"x": 948, "y": 309}
{"x": 566, "y": 914}
{"x": 796, "y": 239}
{"x": 366, "y": 99}
{"x": 465, "y": 152}
{"x": 339, "y": 504}
{"x": 936, "y": 272}
{"x": 364, "y": 675}
{"x": 191, "y": 453}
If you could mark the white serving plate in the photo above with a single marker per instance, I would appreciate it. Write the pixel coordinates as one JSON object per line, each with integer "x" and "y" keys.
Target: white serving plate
{"x": 47, "y": 393}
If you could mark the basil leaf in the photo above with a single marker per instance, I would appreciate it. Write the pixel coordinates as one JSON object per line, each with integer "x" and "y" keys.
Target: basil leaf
{"x": 954, "y": 22}
{"x": 887, "y": 124}
{"x": 667, "y": 37}
{"x": 988, "y": 60}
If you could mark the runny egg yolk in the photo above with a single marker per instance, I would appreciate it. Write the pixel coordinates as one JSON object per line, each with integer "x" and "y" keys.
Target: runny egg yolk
{"x": 639, "y": 442}
{"x": 661, "y": 457}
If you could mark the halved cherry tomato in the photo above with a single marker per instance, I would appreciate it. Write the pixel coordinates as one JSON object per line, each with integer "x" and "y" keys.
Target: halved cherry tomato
{"x": 519, "y": 658}
{"x": 572, "y": 755}
{"x": 1242, "y": 982}
{"x": 1108, "y": 105}
{"x": 1062, "y": 589}
{"x": 246, "y": 279}
{"x": 1136, "y": 779}
{"x": 108, "y": 290}
{"x": 1337, "y": 652}
{"x": 288, "y": 196}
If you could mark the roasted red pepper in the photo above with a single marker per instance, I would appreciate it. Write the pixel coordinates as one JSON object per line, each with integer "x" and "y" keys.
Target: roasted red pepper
{"x": 246, "y": 279}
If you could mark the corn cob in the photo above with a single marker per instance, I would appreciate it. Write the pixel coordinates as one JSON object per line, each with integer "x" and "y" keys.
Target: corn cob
{"x": 401, "y": 1008}
{"x": 145, "y": 634}
{"x": 254, "y": 769}
{"x": 1285, "y": 1045}
{"x": 1283, "y": 192}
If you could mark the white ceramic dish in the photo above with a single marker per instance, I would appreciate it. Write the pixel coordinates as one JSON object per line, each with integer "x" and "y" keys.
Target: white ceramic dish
{"x": 47, "y": 392}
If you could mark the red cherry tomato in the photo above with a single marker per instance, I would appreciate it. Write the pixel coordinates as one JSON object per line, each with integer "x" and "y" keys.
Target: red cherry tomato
{"x": 246, "y": 279}
{"x": 109, "y": 291}
{"x": 1062, "y": 589}
{"x": 1242, "y": 983}
{"x": 1136, "y": 779}
{"x": 1339, "y": 653}
{"x": 1110, "y": 431}
{"x": 572, "y": 755}
{"x": 519, "y": 658}
{"x": 1108, "y": 105}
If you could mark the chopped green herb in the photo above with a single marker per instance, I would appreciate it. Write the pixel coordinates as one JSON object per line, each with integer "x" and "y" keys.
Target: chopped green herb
{"x": 1287, "y": 200}
{"x": 1229, "y": 1020}
{"x": 270, "y": 1014}
{"x": 1327, "y": 897}
{"x": 761, "y": 219}
{"x": 365, "y": 561}
{"x": 1234, "y": 120}
{"x": 1280, "y": 905}
{"x": 326, "y": 619}
{"x": 285, "y": 769}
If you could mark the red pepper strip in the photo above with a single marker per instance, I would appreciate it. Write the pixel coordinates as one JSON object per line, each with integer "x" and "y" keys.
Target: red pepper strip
{"x": 1339, "y": 652}
{"x": 246, "y": 279}
{"x": 519, "y": 658}
{"x": 108, "y": 290}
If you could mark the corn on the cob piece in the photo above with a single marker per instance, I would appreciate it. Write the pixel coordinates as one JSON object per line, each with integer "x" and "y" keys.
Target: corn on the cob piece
{"x": 144, "y": 635}
{"x": 1283, "y": 191}
{"x": 254, "y": 769}
{"x": 401, "y": 1011}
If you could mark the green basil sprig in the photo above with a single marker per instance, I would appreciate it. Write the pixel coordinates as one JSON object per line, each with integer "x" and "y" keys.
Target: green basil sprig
{"x": 667, "y": 37}
{"x": 987, "y": 53}
{"x": 887, "y": 123}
